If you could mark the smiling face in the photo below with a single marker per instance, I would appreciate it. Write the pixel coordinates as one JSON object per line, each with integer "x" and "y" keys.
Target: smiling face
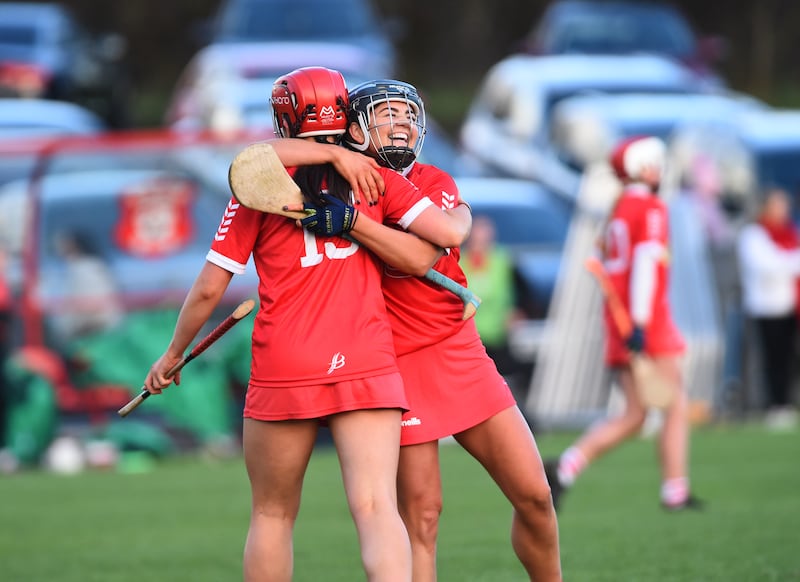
{"x": 393, "y": 123}
{"x": 389, "y": 123}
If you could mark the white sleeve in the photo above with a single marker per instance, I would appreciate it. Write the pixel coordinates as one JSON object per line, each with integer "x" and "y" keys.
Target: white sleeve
{"x": 760, "y": 256}
{"x": 643, "y": 280}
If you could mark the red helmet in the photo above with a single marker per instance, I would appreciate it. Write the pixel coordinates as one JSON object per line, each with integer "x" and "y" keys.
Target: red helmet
{"x": 309, "y": 101}
{"x": 633, "y": 154}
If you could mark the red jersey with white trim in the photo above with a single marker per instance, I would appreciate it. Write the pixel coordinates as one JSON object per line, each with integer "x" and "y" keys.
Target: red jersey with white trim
{"x": 321, "y": 317}
{"x": 640, "y": 224}
{"x": 422, "y": 313}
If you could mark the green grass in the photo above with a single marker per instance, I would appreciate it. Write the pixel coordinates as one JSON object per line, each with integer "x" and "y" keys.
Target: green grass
{"x": 186, "y": 519}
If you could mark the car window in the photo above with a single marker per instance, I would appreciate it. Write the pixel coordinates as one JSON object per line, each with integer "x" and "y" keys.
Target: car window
{"x": 292, "y": 20}
{"x": 608, "y": 31}
{"x": 519, "y": 225}
{"x": 11, "y": 34}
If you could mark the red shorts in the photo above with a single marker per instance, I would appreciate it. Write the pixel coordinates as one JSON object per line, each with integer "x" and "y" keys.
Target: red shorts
{"x": 321, "y": 400}
{"x": 662, "y": 339}
{"x": 451, "y": 386}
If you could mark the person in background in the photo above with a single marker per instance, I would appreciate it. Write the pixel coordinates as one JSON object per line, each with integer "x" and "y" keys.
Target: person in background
{"x": 490, "y": 274}
{"x": 768, "y": 249}
{"x": 635, "y": 253}
{"x": 92, "y": 299}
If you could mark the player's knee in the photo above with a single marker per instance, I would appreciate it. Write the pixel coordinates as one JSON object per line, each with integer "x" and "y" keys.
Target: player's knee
{"x": 422, "y": 518}
{"x": 537, "y": 502}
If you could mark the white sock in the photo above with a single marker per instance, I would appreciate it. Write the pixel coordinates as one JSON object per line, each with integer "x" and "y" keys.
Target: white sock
{"x": 675, "y": 491}
{"x": 571, "y": 463}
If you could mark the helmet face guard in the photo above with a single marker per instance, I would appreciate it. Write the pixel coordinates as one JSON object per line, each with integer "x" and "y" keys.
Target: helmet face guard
{"x": 310, "y": 102}
{"x": 363, "y": 102}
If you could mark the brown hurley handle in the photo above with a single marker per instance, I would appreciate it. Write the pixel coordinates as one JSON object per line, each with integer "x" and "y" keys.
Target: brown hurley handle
{"x": 242, "y": 310}
{"x": 618, "y": 312}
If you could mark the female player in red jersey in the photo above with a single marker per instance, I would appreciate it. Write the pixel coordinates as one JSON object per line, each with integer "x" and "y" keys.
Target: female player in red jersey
{"x": 635, "y": 249}
{"x": 452, "y": 386}
{"x": 322, "y": 347}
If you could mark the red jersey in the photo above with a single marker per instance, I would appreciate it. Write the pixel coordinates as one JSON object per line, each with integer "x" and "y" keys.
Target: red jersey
{"x": 637, "y": 237}
{"x": 420, "y": 312}
{"x": 321, "y": 317}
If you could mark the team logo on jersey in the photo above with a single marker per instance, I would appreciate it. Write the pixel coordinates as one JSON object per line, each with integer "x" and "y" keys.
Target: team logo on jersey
{"x": 449, "y": 200}
{"x": 337, "y": 361}
{"x": 227, "y": 218}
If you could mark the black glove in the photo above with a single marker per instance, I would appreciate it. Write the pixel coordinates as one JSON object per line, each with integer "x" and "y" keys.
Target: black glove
{"x": 635, "y": 341}
{"x": 334, "y": 218}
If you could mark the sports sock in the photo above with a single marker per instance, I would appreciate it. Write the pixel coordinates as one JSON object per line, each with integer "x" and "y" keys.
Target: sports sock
{"x": 571, "y": 463}
{"x": 675, "y": 491}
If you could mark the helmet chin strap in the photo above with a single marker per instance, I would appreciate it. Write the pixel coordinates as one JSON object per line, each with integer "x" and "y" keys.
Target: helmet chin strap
{"x": 396, "y": 157}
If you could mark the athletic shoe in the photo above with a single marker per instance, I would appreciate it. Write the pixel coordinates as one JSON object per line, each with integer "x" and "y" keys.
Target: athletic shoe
{"x": 691, "y": 503}
{"x": 556, "y": 488}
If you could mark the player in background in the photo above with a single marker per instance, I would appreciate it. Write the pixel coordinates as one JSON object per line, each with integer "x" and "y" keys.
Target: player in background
{"x": 635, "y": 253}
{"x": 453, "y": 387}
{"x": 322, "y": 349}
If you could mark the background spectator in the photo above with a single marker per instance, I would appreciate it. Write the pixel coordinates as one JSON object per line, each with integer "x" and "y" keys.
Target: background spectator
{"x": 769, "y": 258}
{"x": 92, "y": 301}
{"x": 490, "y": 274}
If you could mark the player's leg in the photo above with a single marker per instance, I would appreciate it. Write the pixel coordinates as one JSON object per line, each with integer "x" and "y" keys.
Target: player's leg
{"x": 419, "y": 490}
{"x": 673, "y": 442}
{"x": 605, "y": 435}
{"x": 505, "y": 446}
{"x": 368, "y": 445}
{"x": 276, "y": 455}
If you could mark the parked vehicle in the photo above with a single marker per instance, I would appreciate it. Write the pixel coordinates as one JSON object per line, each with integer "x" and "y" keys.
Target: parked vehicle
{"x": 226, "y": 87}
{"x": 38, "y": 118}
{"x": 599, "y": 27}
{"x": 26, "y": 123}
{"x": 354, "y": 23}
{"x": 508, "y": 125}
{"x": 586, "y": 127}
{"x": 45, "y": 52}
{"x": 752, "y": 151}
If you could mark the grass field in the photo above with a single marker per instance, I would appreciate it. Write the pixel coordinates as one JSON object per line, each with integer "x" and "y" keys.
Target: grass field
{"x": 186, "y": 520}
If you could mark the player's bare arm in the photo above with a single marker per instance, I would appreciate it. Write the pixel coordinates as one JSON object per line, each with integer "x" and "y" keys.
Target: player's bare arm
{"x": 445, "y": 228}
{"x": 396, "y": 248}
{"x": 360, "y": 171}
{"x": 204, "y": 296}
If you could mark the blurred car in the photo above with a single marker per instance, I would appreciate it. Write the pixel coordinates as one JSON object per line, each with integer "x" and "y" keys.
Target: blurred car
{"x": 353, "y": 23}
{"x": 45, "y": 52}
{"x": 508, "y": 124}
{"x": 226, "y": 87}
{"x": 597, "y": 27}
{"x": 586, "y": 127}
{"x": 531, "y": 221}
{"x": 750, "y": 152}
{"x": 37, "y": 118}
{"x": 26, "y": 123}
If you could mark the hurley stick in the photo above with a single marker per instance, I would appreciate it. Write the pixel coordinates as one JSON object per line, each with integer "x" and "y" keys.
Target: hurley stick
{"x": 242, "y": 310}
{"x": 654, "y": 388}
